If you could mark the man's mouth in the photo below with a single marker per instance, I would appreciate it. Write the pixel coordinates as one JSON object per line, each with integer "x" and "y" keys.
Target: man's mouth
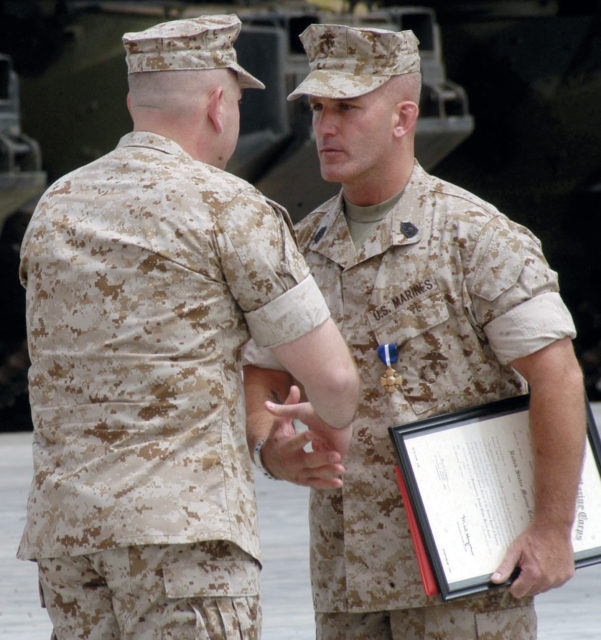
{"x": 327, "y": 149}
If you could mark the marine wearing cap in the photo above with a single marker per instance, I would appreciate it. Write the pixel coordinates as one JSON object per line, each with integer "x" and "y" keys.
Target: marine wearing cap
{"x": 347, "y": 62}
{"x": 191, "y": 44}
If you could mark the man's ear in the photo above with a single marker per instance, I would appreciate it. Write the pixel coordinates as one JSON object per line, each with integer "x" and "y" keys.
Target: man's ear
{"x": 406, "y": 116}
{"x": 215, "y": 108}
{"x": 129, "y": 105}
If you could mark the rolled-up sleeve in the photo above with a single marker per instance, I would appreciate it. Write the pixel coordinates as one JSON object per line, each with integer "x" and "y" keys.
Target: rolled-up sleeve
{"x": 259, "y": 357}
{"x": 266, "y": 273}
{"x": 529, "y": 327}
{"x": 289, "y": 316}
{"x": 515, "y": 294}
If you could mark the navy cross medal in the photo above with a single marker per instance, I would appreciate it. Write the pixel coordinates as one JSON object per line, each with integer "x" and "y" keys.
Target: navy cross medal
{"x": 391, "y": 380}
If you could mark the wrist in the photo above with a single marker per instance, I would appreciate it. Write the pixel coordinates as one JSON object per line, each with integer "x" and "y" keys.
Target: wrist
{"x": 258, "y": 460}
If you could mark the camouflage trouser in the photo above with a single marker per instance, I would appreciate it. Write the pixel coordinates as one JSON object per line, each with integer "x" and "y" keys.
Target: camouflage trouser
{"x": 448, "y": 621}
{"x": 202, "y": 591}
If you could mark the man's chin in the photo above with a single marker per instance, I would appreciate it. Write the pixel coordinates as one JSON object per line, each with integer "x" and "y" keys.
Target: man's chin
{"x": 331, "y": 174}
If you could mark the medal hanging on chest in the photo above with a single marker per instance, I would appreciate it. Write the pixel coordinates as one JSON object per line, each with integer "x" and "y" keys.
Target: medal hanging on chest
{"x": 391, "y": 380}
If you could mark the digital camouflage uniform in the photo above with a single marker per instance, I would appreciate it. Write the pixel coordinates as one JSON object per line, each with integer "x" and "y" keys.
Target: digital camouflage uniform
{"x": 157, "y": 592}
{"x": 146, "y": 271}
{"x": 462, "y": 291}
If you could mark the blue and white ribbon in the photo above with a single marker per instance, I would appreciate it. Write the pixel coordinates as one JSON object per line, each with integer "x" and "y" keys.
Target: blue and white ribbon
{"x": 388, "y": 353}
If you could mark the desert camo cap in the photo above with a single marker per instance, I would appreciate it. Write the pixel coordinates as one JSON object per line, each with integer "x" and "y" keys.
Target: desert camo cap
{"x": 347, "y": 62}
{"x": 206, "y": 42}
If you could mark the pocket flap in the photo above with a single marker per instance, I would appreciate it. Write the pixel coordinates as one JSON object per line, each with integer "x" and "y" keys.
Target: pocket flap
{"x": 490, "y": 283}
{"x": 403, "y": 318}
{"x": 187, "y": 578}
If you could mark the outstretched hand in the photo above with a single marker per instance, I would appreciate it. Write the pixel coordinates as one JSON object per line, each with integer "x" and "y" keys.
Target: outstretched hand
{"x": 284, "y": 452}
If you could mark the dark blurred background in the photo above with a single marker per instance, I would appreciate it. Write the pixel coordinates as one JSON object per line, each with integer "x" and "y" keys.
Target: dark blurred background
{"x": 511, "y": 110}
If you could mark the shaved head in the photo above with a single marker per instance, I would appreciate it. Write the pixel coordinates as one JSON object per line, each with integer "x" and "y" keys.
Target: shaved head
{"x": 176, "y": 92}
{"x": 198, "y": 109}
{"x": 404, "y": 87}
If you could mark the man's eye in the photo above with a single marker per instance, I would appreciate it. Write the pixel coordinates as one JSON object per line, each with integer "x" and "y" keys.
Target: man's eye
{"x": 315, "y": 107}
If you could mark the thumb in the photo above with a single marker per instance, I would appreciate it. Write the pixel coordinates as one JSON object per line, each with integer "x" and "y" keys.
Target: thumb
{"x": 293, "y": 395}
{"x": 509, "y": 568}
{"x": 284, "y": 414}
{"x": 290, "y": 407}
{"x": 289, "y": 410}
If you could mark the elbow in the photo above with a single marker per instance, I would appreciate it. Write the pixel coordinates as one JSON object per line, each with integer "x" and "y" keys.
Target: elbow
{"x": 576, "y": 375}
{"x": 348, "y": 384}
{"x": 345, "y": 387}
{"x": 573, "y": 377}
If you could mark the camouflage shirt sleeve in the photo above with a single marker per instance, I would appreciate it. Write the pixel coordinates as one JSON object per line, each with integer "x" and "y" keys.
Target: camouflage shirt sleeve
{"x": 514, "y": 293}
{"x": 266, "y": 273}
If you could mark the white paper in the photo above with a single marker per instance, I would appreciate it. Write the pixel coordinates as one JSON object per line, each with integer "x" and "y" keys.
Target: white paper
{"x": 476, "y": 485}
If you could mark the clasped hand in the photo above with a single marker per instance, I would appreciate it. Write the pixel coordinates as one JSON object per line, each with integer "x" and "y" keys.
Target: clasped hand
{"x": 285, "y": 452}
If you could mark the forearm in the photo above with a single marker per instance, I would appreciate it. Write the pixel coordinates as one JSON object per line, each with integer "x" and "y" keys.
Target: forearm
{"x": 543, "y": 552}
{"x": 558, "y": 431}
{"x": 322, "y": 362}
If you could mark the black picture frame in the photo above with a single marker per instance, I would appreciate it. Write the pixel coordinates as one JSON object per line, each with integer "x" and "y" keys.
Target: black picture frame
{"x": 485, "y": 421}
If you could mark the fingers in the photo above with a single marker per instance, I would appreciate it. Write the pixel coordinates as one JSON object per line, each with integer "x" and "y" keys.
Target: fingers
{"x": 285, "y": 456}
{"x": 294, "y": 451}
{"x": 323, "y": 477}
{"x": 535, "y": 578}
{"x": 337, "y": 438}
{"x": 323, "y": 484}
{"x": 510, "y": 571}
{"x": 529, "y": 582}
{"x": 326, "y": 476}
{"x": 285, "y": 452}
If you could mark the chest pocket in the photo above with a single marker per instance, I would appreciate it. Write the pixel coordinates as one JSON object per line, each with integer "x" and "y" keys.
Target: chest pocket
{"x": 397, "y": 315}
{"x": 430, "y": 353}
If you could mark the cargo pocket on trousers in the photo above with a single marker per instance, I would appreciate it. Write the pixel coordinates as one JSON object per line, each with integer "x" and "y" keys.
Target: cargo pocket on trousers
{"x": 201, "y": 575}
{"x": 507, "y": 624}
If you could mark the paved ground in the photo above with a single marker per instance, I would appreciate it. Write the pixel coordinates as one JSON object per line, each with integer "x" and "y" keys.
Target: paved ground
{"x": 570, "y": 613}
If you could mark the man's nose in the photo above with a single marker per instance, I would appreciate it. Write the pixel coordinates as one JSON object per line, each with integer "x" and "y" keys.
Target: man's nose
{"x": 324, "y": 123}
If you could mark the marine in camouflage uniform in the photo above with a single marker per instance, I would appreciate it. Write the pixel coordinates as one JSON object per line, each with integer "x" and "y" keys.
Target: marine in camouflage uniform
{"x": 463, "y": 292}
{"x": 146, "y": 271}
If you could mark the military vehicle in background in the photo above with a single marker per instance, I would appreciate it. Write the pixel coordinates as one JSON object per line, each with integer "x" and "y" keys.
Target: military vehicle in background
{"x": 21, "y": 181}
{"x": 21, "y": 175}
{"x": 74, "y": 89}
{"x": 527, "y": 141}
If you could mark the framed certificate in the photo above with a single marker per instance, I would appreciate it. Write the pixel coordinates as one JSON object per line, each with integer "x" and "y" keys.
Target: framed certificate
{"x": 467, "y": 483}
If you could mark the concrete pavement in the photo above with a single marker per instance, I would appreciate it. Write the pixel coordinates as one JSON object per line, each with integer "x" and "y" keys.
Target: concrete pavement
{"x": 572, "y": 612}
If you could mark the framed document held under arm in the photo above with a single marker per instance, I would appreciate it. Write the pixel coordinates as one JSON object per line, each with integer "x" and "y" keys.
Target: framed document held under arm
{"x": 467, "y": 483}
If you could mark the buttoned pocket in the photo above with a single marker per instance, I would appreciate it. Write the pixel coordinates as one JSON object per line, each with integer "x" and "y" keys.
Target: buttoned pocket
{"x": 432, "y": 358}
{"x": 493, "y": 280}
{"x": 403, "y": 314}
